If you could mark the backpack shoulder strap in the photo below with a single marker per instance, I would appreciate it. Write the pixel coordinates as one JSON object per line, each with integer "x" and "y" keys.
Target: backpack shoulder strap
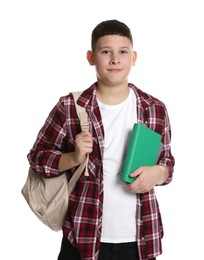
{"x": 83, "y": 118}
{"x": 81, "y": 112}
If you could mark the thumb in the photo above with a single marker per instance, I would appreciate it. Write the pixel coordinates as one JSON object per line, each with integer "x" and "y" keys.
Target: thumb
{"x": 137, "y": 172}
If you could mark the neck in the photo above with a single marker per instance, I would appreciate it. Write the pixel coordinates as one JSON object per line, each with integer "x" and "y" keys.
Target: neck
{"x": 112, "y": 95}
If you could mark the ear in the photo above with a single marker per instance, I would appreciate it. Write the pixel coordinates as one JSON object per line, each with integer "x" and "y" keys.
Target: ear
{"x": 134, "y": 58}
{"x": 90, "y": 58}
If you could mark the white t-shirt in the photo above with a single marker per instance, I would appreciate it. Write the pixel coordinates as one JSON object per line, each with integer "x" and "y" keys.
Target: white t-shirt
{"x": 119, "y": 206}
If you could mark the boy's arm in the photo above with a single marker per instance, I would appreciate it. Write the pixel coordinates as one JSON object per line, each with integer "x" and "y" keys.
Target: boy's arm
{"x": 164, "y": 174}
{"x": 160, "y": 174}
{"x": 148, "y": 177}
{"x": 48, "y": 157}
{"x": 83, "y": 145}
{"x": 166, "y": 159}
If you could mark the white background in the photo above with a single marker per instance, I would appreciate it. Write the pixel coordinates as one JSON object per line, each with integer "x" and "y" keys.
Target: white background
{"x": 43, "y": 48}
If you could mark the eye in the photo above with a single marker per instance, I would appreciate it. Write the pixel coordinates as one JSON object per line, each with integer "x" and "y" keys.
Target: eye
{"x": 123, "y": 51}
{"x": 106, "y": 52}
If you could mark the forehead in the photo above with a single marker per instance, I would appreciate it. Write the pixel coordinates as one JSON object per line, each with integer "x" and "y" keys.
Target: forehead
{"x": 113, "y": 41}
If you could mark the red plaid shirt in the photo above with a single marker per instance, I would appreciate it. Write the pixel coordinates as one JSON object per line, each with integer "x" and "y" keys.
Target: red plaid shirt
{"x": 83, "y": 221}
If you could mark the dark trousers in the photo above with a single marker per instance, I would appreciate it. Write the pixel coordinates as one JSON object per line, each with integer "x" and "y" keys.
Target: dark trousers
{"x": 108, "y": 251}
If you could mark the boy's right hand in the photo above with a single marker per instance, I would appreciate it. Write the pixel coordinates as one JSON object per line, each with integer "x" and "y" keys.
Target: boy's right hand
{"x": 83, "y": 145}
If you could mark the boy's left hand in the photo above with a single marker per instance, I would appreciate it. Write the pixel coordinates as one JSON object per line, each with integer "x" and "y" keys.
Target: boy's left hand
{"x": 147, "y": 178}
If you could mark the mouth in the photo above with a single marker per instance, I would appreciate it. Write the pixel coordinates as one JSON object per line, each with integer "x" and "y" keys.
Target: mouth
{"x": 115, "y": 70}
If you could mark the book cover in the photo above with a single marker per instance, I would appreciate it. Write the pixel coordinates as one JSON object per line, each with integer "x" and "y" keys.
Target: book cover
{"x": 143, "y": 150}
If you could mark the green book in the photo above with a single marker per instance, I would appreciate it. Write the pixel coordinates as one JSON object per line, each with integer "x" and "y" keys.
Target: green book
{"x": 143, "y": 150}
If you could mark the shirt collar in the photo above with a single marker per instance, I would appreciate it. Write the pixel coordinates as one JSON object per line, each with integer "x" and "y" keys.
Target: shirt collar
{"x": 88, "y": 97}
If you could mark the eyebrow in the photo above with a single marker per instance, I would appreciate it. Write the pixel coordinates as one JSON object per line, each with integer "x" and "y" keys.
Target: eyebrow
{"x": 109, "y": 47}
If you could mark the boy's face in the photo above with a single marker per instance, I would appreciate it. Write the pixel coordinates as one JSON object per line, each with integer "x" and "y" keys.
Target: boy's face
{"x": 113, "y": 58}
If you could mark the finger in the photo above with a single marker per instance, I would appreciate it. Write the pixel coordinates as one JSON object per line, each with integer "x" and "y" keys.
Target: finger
{"x": 84, "y": 137}
{"x": 137, "y": 172}
{"x": 86, "y": 133}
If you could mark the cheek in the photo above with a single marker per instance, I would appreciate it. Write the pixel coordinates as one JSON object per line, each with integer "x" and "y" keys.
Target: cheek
{"x": 129, "y": 63}
{"x": 101, "y": 66}
{"x": 102, "y": 63}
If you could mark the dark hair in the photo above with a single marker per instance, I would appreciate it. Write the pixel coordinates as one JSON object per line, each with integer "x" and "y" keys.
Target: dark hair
{"x": 110, "y": 27}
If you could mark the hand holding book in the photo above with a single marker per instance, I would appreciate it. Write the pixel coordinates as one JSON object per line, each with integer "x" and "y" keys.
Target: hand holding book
{"x": 147, "y": 177}
{"x": 143, "y": 150}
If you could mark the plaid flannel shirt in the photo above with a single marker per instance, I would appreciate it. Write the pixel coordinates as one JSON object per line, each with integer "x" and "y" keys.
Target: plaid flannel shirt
{"x": 83, "y": 221}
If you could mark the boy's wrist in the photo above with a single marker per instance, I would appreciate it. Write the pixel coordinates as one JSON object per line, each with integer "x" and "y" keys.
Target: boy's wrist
{"x": 67, "y": 161}
{"x": 164, "y": 174}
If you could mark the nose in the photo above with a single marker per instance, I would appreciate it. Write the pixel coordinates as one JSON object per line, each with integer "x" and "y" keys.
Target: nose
{"x": 114, "y": 60}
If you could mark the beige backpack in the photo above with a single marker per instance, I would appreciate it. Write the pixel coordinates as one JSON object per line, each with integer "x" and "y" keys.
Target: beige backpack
{"x": 48, "y": 198}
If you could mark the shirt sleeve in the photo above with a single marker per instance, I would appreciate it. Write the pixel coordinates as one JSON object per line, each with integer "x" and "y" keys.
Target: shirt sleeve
{"x": 46, "y": 152}
{"x": 166, "y": 159}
